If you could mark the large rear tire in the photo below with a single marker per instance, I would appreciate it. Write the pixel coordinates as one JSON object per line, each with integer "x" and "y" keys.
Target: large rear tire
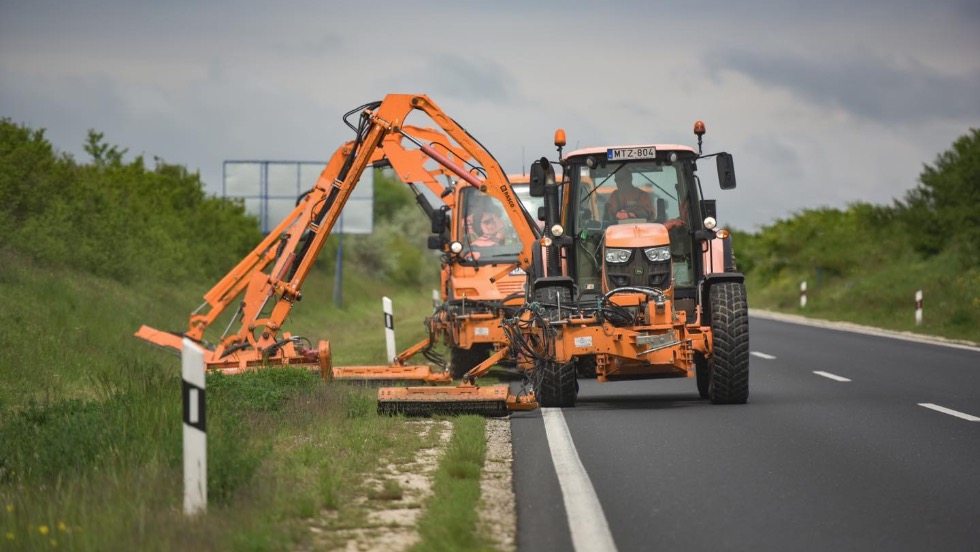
{"x": 555, "y": 384}
{"x": 729, "y": 374}
{"x": 464, "y": 360}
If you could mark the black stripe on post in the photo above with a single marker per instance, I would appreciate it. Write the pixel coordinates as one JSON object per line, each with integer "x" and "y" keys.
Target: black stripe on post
{"x": 194, "y": 393}
{"x": 389, "y": 321}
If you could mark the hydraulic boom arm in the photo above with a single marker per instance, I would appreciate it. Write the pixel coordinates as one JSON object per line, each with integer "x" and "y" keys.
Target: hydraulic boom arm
{"x": 292, "y": 247}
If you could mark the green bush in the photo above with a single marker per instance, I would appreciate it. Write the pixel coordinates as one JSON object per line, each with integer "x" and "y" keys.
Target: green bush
{"x": 865, "y": 263}
{"x": 111, "y": 218}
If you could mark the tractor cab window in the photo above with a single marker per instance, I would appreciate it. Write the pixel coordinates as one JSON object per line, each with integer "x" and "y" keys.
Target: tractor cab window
{"x": 531, "y": 204}
{"x": 634, "y": 192}
{"x": 619, "y": 193}
{"x": 485, "y": 231}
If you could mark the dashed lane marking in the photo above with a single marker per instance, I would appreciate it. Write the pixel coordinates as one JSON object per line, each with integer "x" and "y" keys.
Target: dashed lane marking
{"x": 950, "y": 411}
{"x": 830, "y": 376}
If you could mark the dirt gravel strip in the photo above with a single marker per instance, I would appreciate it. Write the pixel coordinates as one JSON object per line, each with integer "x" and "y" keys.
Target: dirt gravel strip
{"x": 498, "y": 510}
{"x": 388, "y": 525}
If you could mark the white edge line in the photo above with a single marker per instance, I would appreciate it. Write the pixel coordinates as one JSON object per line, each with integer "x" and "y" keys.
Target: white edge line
{"x": 830, "y": 376}
{"x": 586, "y": 520}
{"x": 950, "y": 411}
{"x": 762, "y": 355}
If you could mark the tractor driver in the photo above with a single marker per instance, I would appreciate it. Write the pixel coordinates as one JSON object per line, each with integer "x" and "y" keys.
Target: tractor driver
{"x": 489, "y": 227}
{"x": 628, "y": 201}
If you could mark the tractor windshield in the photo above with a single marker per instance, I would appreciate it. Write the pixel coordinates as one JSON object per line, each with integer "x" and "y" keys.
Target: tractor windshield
{"x": 486, "y": 233}
{"x": 633, "y": 192}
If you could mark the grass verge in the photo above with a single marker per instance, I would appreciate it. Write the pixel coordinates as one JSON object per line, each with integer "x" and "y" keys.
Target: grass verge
{"x": 90, "y": 419}
{"x": 450, "y": 521}
{"x": 884, "y": 298}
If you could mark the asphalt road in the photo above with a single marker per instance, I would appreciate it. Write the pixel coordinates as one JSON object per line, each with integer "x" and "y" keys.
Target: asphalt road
{"x": 812, "y": 462}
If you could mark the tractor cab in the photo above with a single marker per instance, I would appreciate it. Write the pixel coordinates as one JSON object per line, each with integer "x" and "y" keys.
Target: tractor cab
{"x": 634, "y": 217}
{"x": 631, "y": 212}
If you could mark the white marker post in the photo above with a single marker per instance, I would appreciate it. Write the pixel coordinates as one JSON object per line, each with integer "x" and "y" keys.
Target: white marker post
{"x": 918, "y": 308}
{"x": 389, "y": 328}
{"x": 195, "y": 434}
{"x": 803, "y": 294}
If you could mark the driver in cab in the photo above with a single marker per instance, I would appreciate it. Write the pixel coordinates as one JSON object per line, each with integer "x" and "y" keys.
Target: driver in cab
{"x": 628, "y": 201}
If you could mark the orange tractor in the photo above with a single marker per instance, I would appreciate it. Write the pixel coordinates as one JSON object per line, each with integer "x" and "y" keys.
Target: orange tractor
{"x": 481, "y": 281}
{"x": 649, "y": 287}
{"x": 267, "y": 282}
{"x": 633, "y": 281}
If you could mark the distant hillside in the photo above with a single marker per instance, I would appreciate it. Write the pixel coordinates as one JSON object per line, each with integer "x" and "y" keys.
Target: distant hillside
{"x": 865, "y": 263}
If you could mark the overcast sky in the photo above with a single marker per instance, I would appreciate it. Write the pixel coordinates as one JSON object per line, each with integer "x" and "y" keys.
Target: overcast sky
{"x": 822, "y": 103}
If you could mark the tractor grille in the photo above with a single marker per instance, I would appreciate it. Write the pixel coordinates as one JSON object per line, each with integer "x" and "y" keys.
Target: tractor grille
{"x": 509, "y": 287}
{"x": 639, "y": 271}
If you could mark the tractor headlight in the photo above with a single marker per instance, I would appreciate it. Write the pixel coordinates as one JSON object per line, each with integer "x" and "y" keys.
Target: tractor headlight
{"x": 618, "y": 256}
{"x": 656, "y": 254}
{"x": 456, "y": 247}
{"x": 557, "y": 230}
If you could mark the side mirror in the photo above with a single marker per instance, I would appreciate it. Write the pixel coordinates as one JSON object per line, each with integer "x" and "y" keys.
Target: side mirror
{"x": 541, "y": 174}
{"x": 542, "y": 214}
{"x": 726, "y": 171}
{"x": 439, "y": 220}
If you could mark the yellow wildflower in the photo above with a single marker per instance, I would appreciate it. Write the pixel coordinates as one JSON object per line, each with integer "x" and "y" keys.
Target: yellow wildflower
{"x": 43, "y": 529}
{"x": 10, "y": 535}
{"x": 62, "y": 527}
{"x": 10, "y": 507}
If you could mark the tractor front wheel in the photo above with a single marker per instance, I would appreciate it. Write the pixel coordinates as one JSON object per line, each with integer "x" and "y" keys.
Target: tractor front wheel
{"x": 729, "y": 374}
{"x": 555, "y": 384}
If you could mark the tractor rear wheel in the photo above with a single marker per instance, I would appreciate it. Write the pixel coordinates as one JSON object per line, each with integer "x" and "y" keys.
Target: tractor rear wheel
{"x": 464, "y": 360}
{"x": 729, "y": 374}
{"x": 555, "y": 384}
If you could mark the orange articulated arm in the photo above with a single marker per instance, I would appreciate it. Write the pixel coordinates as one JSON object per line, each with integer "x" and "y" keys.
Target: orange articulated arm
{"x": 292, "y": 247}
{"x": 495, "y": 184}
{"x": 410, "y": 164}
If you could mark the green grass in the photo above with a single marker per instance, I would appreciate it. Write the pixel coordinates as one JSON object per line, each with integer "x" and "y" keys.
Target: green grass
{"x": 90, "y": 418}
{"x": 883, "y": 298}
{"x": 450, "y": 521}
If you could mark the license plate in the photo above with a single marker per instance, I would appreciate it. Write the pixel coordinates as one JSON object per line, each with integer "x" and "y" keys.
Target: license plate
{"x": 623, "y": 154}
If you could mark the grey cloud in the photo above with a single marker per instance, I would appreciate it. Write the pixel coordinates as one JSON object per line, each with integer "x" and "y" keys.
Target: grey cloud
{"x": 867, "y": 88}
{"x": 780, "y": 156}
{"x": 457, "y": 77}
